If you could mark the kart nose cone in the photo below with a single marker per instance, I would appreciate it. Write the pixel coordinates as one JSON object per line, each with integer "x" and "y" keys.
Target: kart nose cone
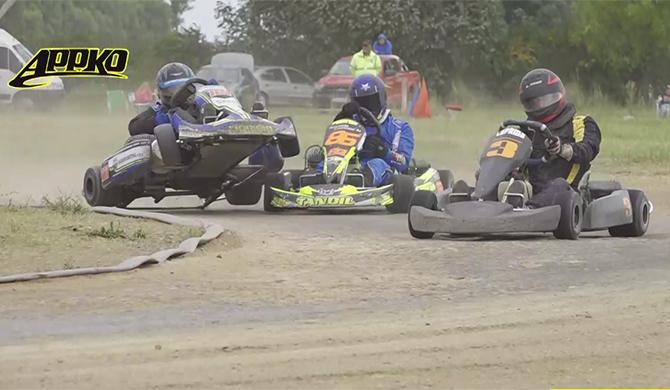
{"x": 484, "y": 209}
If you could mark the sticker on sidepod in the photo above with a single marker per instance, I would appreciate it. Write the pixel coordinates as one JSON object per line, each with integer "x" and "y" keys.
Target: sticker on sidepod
{"x": 128, "y": 157}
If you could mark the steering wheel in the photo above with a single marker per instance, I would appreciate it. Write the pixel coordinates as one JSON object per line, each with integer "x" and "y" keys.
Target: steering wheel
{"x": 529, "y": 128}
{"x": 369, "y": 118}
{"x": 185, "y": 91}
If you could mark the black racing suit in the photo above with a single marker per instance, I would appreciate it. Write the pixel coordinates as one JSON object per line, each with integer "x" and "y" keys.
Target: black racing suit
{"x": 145, "y": 121}
{"x": 583, "y": 134}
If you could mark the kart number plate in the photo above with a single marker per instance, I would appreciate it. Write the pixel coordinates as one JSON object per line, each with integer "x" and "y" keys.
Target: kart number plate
{"x": 339, "y": 139}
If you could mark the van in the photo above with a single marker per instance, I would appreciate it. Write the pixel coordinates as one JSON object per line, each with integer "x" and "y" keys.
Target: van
{"x": 13, "y": 56}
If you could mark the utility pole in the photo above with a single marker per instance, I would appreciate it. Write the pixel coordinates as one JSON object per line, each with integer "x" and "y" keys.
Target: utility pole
{"x": 5, "y": 7}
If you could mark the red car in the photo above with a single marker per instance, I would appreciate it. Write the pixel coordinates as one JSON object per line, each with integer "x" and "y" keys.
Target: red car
{"x": 333, "y": 88}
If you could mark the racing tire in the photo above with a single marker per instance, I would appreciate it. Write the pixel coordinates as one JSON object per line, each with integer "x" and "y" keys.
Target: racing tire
{"x": 570, "y": 225}
{"x": 246, "y": 194}
{"x": 403, "y": 189}
{"x": 273, "y": 180}
{"x": 167, "y": 144}
{"x": 426, "y": 199}
{"x": 96, "y": 195}
{"x": 447, "y": 178}
{"x": 641, "y": 208}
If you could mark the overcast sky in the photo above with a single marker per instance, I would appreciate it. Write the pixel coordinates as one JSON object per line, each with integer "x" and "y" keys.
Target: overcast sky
{"x": 202, "y": 14}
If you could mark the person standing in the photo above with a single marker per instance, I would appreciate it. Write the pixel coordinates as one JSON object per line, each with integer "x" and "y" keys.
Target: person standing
{"x": 365, "y": 61}
{"x": 382, "y": 45}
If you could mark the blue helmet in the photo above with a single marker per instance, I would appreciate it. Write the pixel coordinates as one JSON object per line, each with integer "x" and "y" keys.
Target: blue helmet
{"x": 369, "y": 92}
{"x": 169, "y": 78}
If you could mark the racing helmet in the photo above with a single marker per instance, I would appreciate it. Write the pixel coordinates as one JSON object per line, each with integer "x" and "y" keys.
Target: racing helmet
{"x": 369, "y": 92}
{"x": 542, "y": 95}
{"x": 169, "y": 78}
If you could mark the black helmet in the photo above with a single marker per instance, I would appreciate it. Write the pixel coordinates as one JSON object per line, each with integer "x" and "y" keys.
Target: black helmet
{"x": 542, "y": 95}
{"x": 169, "y": 78}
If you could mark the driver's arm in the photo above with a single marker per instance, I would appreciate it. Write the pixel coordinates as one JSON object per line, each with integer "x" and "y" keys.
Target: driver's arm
{"x": 586, "y": 146}
{"x": 400, "y": 156}
{"x": 144, "y": 122}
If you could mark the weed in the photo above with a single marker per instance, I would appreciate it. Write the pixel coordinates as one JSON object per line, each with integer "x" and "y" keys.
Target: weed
{"x": 64, "y": 204}
{"x": 139, "y": 234}
{"x": 113, "y": 231}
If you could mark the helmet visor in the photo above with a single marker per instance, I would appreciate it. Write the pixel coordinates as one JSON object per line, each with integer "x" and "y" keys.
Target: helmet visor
{"x": 371, "y": 102}
{"x": 541, "y": 102}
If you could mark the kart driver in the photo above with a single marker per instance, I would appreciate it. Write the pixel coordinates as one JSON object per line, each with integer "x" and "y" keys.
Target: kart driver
{"x": 168, "y": 81}
{"x": 385, "y": 151}
{"x": 542, "y": 95}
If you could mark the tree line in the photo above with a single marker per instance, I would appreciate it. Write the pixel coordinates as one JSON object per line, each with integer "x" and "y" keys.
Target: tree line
{"x": 620, "y": 48}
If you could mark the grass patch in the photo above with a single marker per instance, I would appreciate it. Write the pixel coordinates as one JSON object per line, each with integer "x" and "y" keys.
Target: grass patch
{"x": 42, "y": 239}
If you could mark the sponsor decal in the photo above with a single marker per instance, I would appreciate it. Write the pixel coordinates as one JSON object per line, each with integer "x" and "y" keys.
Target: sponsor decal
{"x": 71, "y": 62}
{"x": 511, "y": 131}
{"x": 127, "y": 158}
{"x": 309, "y": 201}
{"x": 627, "y": 207}
{"x": 104, "y": 173}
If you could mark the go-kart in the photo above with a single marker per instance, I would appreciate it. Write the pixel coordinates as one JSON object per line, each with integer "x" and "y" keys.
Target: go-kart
{"x": 501, "y": 201}
{"x": 336, "y": 179}
{"x": 200, "y": 152}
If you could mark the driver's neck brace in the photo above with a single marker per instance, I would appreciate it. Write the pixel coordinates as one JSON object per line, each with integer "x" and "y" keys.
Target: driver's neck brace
{"x": 382, "y": 117}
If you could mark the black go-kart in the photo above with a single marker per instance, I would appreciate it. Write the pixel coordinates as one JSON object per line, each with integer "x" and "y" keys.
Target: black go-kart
{"x": 200, "y": 152}
{"x": 499, "y": 202}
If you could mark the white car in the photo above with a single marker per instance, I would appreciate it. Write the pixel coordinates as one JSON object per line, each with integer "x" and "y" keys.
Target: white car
{"x": 13, "y": 56}
{"x": 282, "y": 85}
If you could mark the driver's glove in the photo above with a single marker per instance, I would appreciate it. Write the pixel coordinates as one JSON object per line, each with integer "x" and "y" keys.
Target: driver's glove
{"x": 348, "y": 111}
{"x": 556, "y": 148}
{"x": 376, "y": 146}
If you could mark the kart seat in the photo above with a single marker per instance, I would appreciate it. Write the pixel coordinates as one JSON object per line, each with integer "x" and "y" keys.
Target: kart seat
{"x": 600, "y": 188}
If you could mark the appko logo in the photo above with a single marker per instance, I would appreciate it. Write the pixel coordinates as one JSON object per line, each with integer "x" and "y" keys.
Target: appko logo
{"x": 71, "y": 62}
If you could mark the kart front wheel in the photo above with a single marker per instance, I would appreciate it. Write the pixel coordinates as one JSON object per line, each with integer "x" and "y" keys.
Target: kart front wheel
{"x": 641, "y": 208}
{"x": 96, "y": 195}
{"x": 403, "y": 189}
{"x": 428, "y": 200}
{"x": 167, "y": 144}
{"x": 570, "y": 224}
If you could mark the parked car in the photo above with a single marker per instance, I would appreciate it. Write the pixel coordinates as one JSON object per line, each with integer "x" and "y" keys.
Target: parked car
{"x": 235, "y": 71}
{"x": 333, "y": 87}
{"x": 281, "y": 85}
{"x": 13, "y": 56}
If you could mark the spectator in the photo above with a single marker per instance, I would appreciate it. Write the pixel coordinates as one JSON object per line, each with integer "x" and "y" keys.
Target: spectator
{"x": 382, "y": 45}
{"x": 365, "y": 61}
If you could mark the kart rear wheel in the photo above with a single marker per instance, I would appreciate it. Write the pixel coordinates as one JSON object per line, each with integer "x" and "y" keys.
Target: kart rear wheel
{"x": 403, "y": 189}
{"x": 447, "y": 178}
{"x": 246, "y": 194}
{"x": 278, "y": 180}
{"x": 167, "y": 143}
{"x": 570, "y": 224}
{"x": 641, "y": 214}
{"x": 96, "y": 195}
{"x": 426, "y": 199}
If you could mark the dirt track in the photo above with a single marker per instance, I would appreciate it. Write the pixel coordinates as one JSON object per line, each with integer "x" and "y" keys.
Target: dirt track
{"x": 307, "y": 300}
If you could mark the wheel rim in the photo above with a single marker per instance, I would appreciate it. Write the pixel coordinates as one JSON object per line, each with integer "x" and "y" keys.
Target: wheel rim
{"x": 645, "y": 214}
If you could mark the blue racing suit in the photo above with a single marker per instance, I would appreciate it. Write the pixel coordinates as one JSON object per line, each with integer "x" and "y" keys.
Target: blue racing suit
{"x": 399, "y": 138}
{"x": 144, "y": 123}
